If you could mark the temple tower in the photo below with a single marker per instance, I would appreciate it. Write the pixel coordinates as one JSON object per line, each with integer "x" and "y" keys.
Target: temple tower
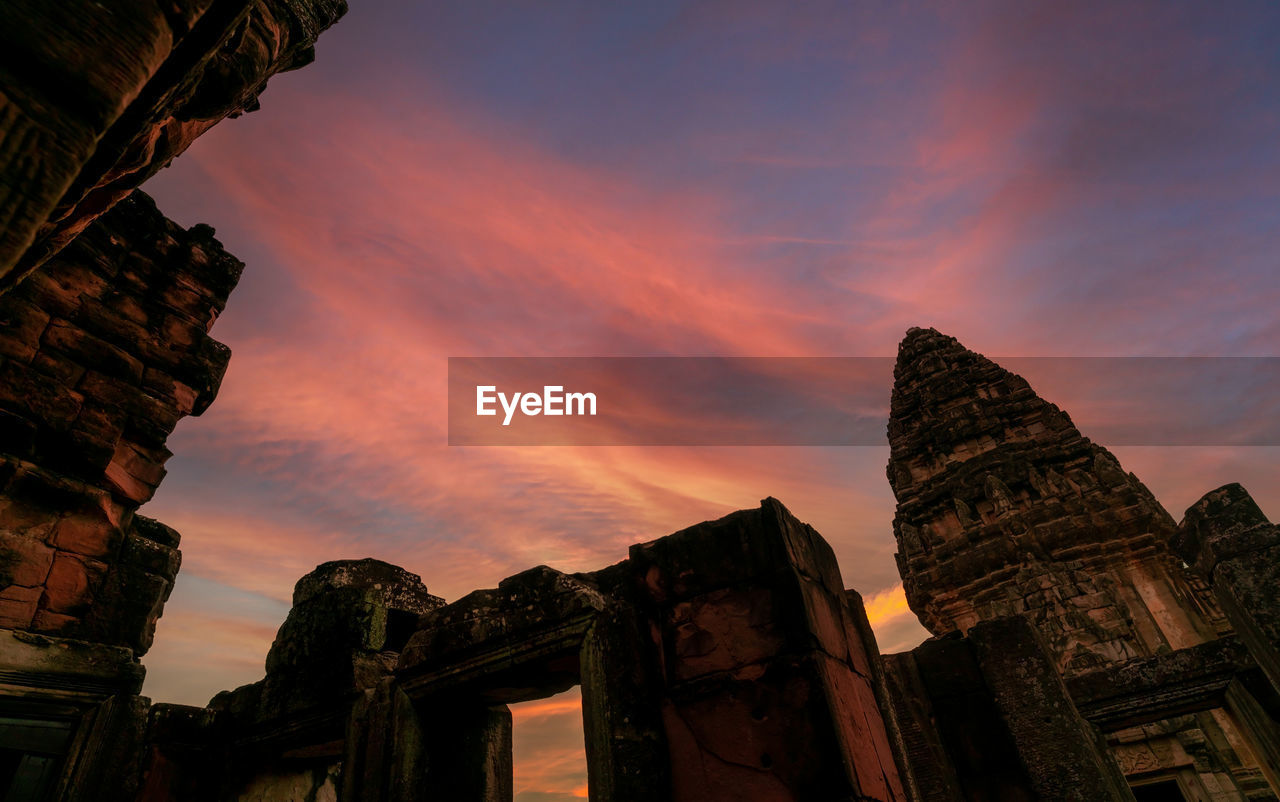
{"x": 1005, "y": 508}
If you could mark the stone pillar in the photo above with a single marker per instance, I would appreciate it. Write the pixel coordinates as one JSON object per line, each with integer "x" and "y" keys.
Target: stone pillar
{"x": 469, "y": 748}
{"x": 1228, "y": 541}
{"x": 1258, "y": 722}
{"x": 385, "y": 758}
{"x": 1064, "y": 756}
{"x": 989, "y": 718}
{"x": 108, "y": 762}
{"x": 626, "y": 749}
{"x": 767, "y": 690}
{"x": 867, "y": 646}
{"x": 929, "y": 771}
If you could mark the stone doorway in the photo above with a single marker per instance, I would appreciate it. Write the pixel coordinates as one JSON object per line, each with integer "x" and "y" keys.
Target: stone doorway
{"x": 548, "y": 747}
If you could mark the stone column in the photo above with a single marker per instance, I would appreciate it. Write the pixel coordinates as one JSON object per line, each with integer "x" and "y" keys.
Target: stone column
{"x": 929, "y": 771}
{"x": 767, "y": 692}
{"x": 469, "y": 754}
{"x": 385, "y": 758}
{"x": 1064, "y": 756}
{"x": 988, "y": 717}
{"x": 1257, "y": 723}
{"x": 626, "y": 749}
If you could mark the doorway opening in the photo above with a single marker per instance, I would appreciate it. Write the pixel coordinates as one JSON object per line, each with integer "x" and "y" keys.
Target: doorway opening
{"x": 549, "y": 757}
{"x": 1159, "y": 791}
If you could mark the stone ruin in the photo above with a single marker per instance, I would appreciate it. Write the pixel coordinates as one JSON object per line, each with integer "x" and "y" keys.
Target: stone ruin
{"x": 1085, "y": 646}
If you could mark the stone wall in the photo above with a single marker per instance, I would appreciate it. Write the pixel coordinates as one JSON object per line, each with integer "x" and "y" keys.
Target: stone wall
{"x": 102, "y": 352}
{"x": 105, "y": 308}
{"x": 723, "y": 662}
{"x": 96, "y": 97}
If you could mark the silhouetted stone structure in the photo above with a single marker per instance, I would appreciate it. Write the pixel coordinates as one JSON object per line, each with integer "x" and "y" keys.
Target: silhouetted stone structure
{"x": 723, "y": 662}
{"x": 1075, "y": 654}
{"x": 103, "y": 349}
{"x": 1005, "y": 508}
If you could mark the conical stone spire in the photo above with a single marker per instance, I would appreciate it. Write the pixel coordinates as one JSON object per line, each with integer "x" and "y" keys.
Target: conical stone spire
{"x": 1005, "y": 507}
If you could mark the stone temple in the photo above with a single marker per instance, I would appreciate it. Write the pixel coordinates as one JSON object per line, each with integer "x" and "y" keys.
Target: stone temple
{"x": 1086, "y": 646}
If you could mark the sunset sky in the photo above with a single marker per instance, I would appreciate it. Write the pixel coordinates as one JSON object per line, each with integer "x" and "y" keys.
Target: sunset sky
{"x": 681, "y": 179}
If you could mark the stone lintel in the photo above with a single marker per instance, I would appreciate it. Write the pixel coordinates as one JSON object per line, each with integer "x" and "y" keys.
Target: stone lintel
{"x": 517, "y": 642}
{"x": 1150, "y": 689}
{"x": 41, "y": 664}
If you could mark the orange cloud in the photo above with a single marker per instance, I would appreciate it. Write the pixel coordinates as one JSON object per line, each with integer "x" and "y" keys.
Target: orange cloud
{"x": 886, "y": 605}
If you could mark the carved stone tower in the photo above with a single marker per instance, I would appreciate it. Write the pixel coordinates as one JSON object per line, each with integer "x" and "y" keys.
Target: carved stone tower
{"x": 1005, "y": 508}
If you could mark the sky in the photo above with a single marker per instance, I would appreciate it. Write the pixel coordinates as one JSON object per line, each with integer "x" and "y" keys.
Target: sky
{"x": 687, "y": 179}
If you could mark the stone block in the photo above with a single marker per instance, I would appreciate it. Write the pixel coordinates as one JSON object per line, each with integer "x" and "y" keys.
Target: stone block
{"x": 18, "y": 606}
{"x": 21, "y": 324}
{"x": 28, "y": 393}
{"x": 71, "y": 583}
{"x": 156, "y": 532}
{"x": 83, "y": 347}
{"x": 24, "y": 560}
{"x": 53, "y": 623}
{"x": 1224, "y": 523}
{"x": 58, "y": 367}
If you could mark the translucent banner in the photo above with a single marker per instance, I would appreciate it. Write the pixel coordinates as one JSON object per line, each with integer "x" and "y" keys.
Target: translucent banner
{"x": 838, "y": 401}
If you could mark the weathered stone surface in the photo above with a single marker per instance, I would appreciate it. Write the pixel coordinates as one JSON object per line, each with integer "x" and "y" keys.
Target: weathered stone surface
{"x": 988, "y": 717}
{"x": 139, "y": 583}
{"x": 18, "y": 606}
{"x": 349, "y": 606}
{"x": 181, "y": 757}
{"x": 106, "y": 348}
{"x": 470, "y": 753}
{"x": 95, "y": 100}
{"x": 313, "y": 781}
{"x": 766, "y": 681}
{"x": 1149, "y": 689}
{"x": 512, "y": 643}
{"x": 386, "y": 755}
{"x": 959, "y": 704}
{"x": 929, "y": 771}
{"x": 1005, "y": 507}
{"x": 327, "y": 703}
{"x": 24, "y": 560}
{"x": 1236, "y": 549}
{"x": 113, "y": 751}
{"x": 724, "y": 661}
{"x": 1224, "y": 524}
{"x": 103, "y": 350}
{"x": 27, "y": 659}
{"x": 350, "y": 620}
{"x": 626, "y": 742}
{"x": 1065, "y": 758}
